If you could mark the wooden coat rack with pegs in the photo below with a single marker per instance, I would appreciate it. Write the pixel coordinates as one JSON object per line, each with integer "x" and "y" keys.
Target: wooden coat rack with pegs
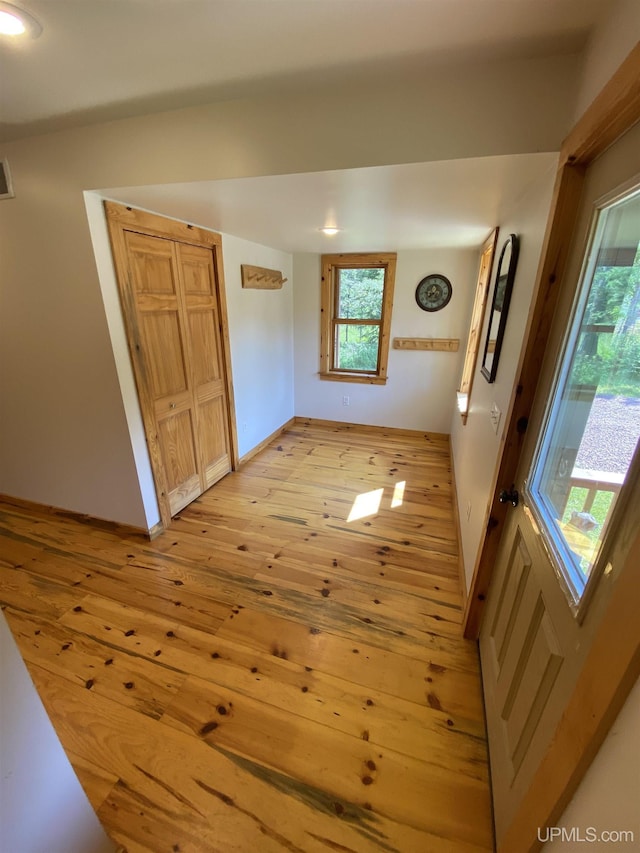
{"x": 433, "y": 344}
{"x": 260, "y": 278}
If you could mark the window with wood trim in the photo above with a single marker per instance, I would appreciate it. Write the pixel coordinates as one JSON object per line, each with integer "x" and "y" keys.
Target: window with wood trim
{"x": 477, "y": 316}
{"x": 357, "y": 297}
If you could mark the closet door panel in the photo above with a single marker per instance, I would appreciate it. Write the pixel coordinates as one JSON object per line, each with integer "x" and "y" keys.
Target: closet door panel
{"x": 206, "y": 361}
{"x": 163, "y": 361}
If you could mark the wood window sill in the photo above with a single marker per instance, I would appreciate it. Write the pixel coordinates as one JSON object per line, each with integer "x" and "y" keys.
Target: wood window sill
{"x": 353, "y": 377}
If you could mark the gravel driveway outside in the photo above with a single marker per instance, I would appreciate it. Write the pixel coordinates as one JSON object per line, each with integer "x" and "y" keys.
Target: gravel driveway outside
{"x": 611, "y": 435}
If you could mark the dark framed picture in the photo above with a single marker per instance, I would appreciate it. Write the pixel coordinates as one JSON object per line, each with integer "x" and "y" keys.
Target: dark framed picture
{"x": 502, "y": 288}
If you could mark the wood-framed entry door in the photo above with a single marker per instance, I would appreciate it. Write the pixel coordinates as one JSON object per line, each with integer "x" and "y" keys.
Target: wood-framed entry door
{"x": 540, "y": 620}
{"x": 172, "y": 292}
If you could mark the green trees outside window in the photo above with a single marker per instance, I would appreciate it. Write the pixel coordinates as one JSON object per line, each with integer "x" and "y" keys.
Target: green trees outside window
{"x": 609, "y": 351}
{"x": 359, "y": 294}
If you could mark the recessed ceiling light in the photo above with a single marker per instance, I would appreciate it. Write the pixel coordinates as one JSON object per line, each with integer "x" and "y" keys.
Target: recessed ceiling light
{"x": 330, "y": 230}
{"x": 16, "y": 22}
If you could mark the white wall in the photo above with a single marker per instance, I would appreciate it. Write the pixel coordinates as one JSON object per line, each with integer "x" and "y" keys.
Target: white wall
{"x": 476, "y": 446}
{"x": 142, "y": 490}
{"x": 421, "y": 386}
{"x": 65, "y": 437}
{"x": 261, "y": 332}
{"x": 42, "y": 804}
{"x": 609, "y": 45}
{"x": 608, "y": 797}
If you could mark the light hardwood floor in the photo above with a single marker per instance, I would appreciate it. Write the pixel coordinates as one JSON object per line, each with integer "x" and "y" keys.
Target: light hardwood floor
{"x": 267, "y": 675}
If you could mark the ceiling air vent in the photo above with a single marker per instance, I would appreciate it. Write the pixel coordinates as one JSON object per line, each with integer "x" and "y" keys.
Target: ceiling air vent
{"x": 6, "y": 189}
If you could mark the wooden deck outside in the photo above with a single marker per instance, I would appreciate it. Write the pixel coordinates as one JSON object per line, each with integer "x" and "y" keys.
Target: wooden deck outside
{"x": 266, "y": 675}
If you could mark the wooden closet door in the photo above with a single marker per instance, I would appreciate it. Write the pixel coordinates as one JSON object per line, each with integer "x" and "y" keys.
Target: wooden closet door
{"x": 163, "y": 361}
{"x": 205, "y": 357}
{"x": 171, "y": 282}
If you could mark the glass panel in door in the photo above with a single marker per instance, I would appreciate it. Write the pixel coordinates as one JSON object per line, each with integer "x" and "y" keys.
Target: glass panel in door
{"x": 593, "y": 420}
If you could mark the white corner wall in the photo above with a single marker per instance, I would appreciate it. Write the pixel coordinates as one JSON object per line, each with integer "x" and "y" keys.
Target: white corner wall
{"x": 64, "y": 439}
{"x": 608, "y": 797}
{"x": 261, "y": 332}
{"x": 420, "y": 393}
{"x": 142, "y": 486}
{"x": 612, "y": 41}
{"x": 476, "y": 446}
{"x": 42, "y": 804}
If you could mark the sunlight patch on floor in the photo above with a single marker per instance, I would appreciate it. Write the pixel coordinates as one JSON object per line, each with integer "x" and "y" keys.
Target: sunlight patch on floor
{"x": 398, "y": 494}
{"x": 368, "y": 503}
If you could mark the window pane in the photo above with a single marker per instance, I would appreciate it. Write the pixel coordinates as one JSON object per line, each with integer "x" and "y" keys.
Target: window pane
{"x": 594, "y": 421}
{"x": 360, "y": 293}
{"x": 356, "y": 347}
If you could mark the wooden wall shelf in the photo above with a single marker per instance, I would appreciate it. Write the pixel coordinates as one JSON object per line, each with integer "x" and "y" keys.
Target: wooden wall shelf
{"x": 431, "y": 344}
{"x": 260, "y": 278}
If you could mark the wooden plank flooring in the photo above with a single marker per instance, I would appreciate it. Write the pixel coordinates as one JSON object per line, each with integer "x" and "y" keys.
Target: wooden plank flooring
{"x": 267, "y": 675}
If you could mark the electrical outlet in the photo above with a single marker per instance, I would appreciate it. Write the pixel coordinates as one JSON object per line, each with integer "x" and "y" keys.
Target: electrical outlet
{"x": 495, "y": 416}
{"x": 345, "y": 401}
{"x": 468, "y": 510}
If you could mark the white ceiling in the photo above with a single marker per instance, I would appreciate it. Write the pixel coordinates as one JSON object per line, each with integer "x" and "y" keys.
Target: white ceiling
{"x": 103, "y": 59}
{"x": 420, "y": 205}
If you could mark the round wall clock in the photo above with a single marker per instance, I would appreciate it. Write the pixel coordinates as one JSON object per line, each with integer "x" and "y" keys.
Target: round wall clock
{"x": 433, "y": 292}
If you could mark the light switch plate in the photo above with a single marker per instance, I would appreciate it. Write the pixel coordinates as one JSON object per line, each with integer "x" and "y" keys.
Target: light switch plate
{"x": 495, "y": 416}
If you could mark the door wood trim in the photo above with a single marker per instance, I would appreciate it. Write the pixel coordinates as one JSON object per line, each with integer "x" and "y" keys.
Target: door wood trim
{"x": 612, "y": 113}
{"x": 160, "y": 226}
{"x": 226, "y": 354}
{"x": 120, "y": 218}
